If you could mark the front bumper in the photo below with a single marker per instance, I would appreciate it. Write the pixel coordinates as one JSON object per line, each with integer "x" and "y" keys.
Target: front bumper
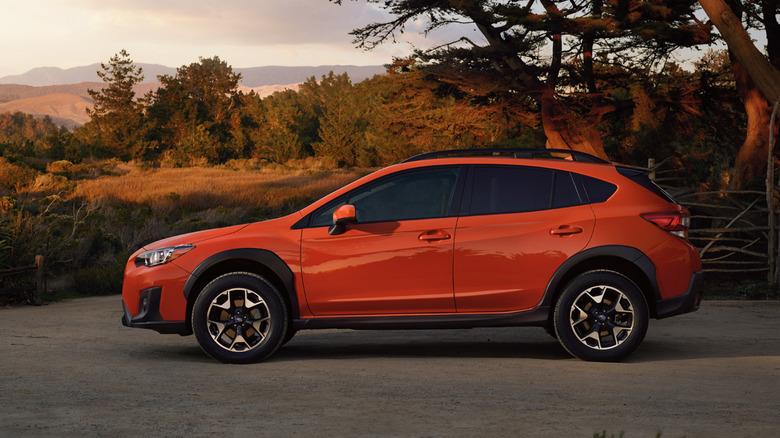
{"x": 149, "y": 315}
{"x": 685, "y": 303}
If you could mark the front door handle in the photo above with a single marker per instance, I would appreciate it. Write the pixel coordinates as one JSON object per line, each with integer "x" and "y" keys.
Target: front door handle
{"x": 433, "y": 236}
{"x": 566, "y": 230}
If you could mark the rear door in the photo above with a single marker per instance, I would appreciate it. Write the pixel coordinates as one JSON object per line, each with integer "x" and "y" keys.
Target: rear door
{"x": 519, "y": 225}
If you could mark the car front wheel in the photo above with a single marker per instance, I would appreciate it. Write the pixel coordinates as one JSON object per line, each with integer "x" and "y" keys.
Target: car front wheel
{"x": 601, "y": 316}
{"x": 239, "y": 318}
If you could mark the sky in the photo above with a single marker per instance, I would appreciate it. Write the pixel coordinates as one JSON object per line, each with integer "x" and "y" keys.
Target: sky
{"x": 243, "y": 33}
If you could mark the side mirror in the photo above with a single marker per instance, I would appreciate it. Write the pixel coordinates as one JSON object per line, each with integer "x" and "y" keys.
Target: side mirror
{"x": 341, "y": 217}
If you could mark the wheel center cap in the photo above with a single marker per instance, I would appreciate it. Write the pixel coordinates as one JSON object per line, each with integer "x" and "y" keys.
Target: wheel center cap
{"x": 602, "y": 318}
{"x": 239, "y": 319}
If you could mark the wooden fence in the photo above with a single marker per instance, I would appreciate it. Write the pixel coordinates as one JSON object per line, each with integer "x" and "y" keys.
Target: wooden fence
{"x": 736, "y": 232}
{"x": 39, "y": 283}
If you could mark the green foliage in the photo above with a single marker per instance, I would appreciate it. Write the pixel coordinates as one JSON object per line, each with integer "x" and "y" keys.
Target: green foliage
{"x": 198, "y": 116}
{"x": 22, "y": 135}
{"x": 196, "y": 113}
{"x": 281, "y": 128}
{"x": 116, "y": 121}
{"x": 694, "y": 118}
{"x": 342, "y": 113}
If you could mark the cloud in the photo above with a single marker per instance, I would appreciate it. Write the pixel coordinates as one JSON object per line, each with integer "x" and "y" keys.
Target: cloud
{"x": 242, "y": 22}
{"x": 245, "y": 33}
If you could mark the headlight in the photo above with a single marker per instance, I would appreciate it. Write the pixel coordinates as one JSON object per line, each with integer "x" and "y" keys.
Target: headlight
{"x": 162, "y": 256}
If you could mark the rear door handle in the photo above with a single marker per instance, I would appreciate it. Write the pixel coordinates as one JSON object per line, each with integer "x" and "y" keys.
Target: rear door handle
{"x": 566, "y": 230}
{"x": 433, "y": 236}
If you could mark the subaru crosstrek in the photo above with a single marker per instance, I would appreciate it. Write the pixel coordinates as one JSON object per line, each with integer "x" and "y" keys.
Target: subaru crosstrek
{"x": 587, "y": 249}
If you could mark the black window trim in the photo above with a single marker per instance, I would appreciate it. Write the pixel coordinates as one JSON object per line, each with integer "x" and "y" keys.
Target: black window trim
{"x": 577, "y": 189}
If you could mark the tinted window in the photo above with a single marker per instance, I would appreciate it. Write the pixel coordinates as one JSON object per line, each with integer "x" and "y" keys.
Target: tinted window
{"x": 597, "y": 190}
{"x": 324, "y": 217}
{"x": 565, "y": 192}
{"x": 420, "y": 194}
{"x": 510, "y": 189}
{"x": 641, "y": 178}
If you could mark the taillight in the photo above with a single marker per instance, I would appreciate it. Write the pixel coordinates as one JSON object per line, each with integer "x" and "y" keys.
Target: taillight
{"x": 674, "y": 222}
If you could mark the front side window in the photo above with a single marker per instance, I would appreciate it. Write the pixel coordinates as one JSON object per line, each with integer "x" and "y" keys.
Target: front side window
{"x": 419, "y": 194}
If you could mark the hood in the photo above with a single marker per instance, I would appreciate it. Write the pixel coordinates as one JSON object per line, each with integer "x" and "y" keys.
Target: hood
{"x": 193, "y": 238}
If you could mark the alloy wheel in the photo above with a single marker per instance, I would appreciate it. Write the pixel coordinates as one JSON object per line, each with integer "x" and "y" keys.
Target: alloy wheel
{"x": 238, "y": 320}
{"x": 602, "y": 317}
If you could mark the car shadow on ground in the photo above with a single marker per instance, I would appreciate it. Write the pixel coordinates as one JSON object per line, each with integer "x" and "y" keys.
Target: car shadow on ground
{"x": 483, "y": 350}
{"x": 348, "y": 345}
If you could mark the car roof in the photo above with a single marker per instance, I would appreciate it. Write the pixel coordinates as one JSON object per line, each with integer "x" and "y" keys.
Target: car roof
{"x": 557, "y": 154}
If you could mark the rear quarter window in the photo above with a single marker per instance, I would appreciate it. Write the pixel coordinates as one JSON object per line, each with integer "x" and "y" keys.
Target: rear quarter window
{"x": 597, "y": 190}
{"x": 640, "y": 177}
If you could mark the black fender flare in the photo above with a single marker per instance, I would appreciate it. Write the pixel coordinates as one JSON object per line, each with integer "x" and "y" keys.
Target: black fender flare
{"x": 627, "y": 253}
{"x": 266, "y": 258}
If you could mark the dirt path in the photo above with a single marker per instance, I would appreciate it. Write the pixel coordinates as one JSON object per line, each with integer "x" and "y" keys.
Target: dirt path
{"x": 71, "y": 369}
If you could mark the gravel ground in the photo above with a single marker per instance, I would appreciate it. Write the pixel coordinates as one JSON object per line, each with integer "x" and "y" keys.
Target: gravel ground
{"x": 71, "y": 369}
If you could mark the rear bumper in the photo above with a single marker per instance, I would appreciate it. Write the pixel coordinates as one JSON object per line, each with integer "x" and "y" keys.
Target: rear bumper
{"x": 685, "y": 303}
{"x": 149, "y": 316}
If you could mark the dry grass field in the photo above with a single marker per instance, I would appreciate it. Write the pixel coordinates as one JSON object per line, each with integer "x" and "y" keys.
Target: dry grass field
{"x": 87, "y": 218}
{"x": 199, "y": 188}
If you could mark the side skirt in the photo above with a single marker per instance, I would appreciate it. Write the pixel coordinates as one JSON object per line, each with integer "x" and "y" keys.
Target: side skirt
{"x": 535, "y": 317}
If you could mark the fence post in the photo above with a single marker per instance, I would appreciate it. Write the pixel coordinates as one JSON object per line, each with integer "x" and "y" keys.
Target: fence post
{"x": 774, "y": 276}
{"x": 651, "y": 165}
{"x": 40, "y": 280}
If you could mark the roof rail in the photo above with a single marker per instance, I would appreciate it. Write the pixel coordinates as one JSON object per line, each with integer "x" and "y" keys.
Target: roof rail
{"x": 509, "y": 152}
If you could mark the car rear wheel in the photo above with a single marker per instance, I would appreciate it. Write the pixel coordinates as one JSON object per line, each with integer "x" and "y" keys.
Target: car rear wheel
{"x": 601, "y": 316}
{"x": 239, "y": 318}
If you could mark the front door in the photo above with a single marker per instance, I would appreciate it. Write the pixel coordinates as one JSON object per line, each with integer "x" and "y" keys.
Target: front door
{"x": 397, "y": 258}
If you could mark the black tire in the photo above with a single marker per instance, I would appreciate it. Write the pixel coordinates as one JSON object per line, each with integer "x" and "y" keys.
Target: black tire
{"x": 240, "y": 318}
{"x": 601, "y": 316}
{"x": 289, "y": 335}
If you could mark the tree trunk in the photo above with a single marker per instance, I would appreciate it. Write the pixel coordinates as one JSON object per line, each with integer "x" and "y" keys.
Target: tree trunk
{"x": 751, "y": 158}
{"x": 765, "y": 76}
{"x": 567, "y": 130}
{"x": 772, "y": 28}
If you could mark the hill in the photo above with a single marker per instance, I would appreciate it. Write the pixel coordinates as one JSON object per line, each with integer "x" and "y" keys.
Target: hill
{"x": 66, "y": 104}
{"x": 65, "y": 109}
{"x": 9, "y": 92}
{"x": 251, "y": 77}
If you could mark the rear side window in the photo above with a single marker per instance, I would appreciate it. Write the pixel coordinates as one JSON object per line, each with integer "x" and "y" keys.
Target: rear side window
{"x": 512, "y": 189}
{"x": 565, "y": 191}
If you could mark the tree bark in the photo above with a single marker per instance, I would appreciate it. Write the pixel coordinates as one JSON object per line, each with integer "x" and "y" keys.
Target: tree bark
{"x": 751, "y": 158}
{"x": 765, "y": 76}
{"x": 567, "y": 130}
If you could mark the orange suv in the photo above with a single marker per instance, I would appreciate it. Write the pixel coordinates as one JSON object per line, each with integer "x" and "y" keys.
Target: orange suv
{"x": 452, "y": 239}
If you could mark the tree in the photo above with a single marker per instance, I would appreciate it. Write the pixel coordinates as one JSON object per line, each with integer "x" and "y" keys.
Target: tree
{"x": 751, "y": 158}
{"x": 117, "y": 116}
{"x": 761, "y": 71}
{"x": 194, "y": 111}
{"x": 278, "y": 137}
{"x": 416, "y": 112}
{"x": 545, "y": 49}
{"x": 341, "y": 116}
